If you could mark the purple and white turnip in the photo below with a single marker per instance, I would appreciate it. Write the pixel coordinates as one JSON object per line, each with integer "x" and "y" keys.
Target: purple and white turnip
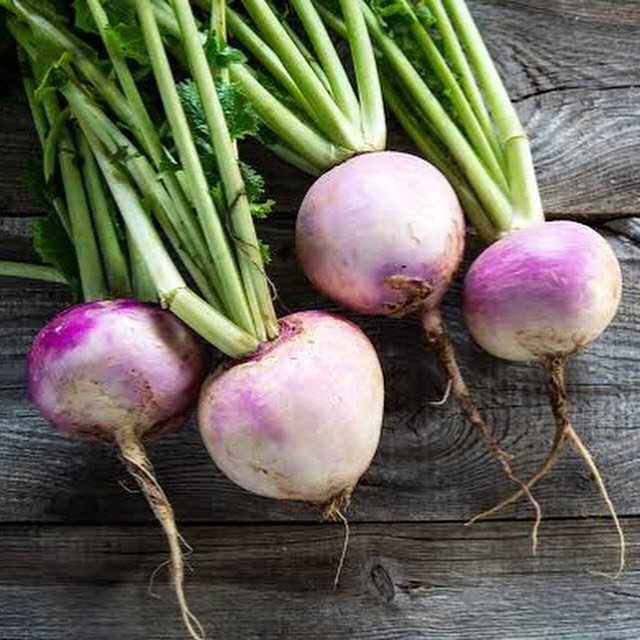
{"x": 121, "y": 371}
{"x": 300, "y": 419}
{"x": 541, "y": 295}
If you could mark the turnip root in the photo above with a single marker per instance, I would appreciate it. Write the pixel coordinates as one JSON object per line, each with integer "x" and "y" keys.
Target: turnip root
{"x": 541, "y": 295}
{"x": 121, "y": 371}
{"x": 383, "y": 234}
{"x": 301, "y": 418}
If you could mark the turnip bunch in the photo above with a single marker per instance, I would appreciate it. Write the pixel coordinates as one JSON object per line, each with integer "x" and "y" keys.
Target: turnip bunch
{"x": 295, "y": 411}
{"x": 543, "y": 290}
{"x": 380, "y": 232}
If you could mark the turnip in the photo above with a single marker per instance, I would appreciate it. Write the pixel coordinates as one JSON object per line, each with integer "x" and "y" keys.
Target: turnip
{"x": 300, "y": 419}
{"x": 543, "y": 290}
{"x": 540, "y": 295}
{"x": 121, "y": 371}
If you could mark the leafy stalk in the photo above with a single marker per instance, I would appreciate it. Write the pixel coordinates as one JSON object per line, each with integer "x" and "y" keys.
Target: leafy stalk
{"x": 259, "y": 49}
{"x": 147, "y": 182}
{"x": 243, "y": 231}
{"x": 495, "y": 203}
{"x": 115, "y": 262}
{"x": 31, "y": 271}
{"x": 141, "y": 123}
{"x": 143, "y": 285}
{"x": 373, "y": 118}
{"x": 485, "y": 145}
{"x": 335, "y": 124}
{"x": 463, "y": 71}
{"x": 170, "y": 286}
{"x": 87, "y": 62}
{"x": 526, "y": 196}
{"x": 342, "y": 91}
{"x": 80, "y": 223}
{"x": 301, "y": 138}
{"x": 232, "y": 293}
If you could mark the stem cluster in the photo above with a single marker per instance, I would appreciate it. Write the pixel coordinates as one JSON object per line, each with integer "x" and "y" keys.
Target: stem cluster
{"x": 442, "y": 85}
{"x": 189, "y": 242}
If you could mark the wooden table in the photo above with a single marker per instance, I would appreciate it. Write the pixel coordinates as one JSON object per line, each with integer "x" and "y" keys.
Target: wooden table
{"x": 77, "y": 548}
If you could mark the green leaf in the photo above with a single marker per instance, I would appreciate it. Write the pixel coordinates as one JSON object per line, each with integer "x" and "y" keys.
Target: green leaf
{"x": 128, "y": 37}
{"x": 242, "y": 120}
{"x": 83, "y": 19}
{"x": 253, "y": 181}
{"x": 123, "y": 32}
{"x": 265, "y": 252}
{"x": 255, "y": 189}
{"x": 262, "y": 210}
{"x": 220, "y": 54}
{"x": 54, "y": 247}
{"x": 393, "y": 12}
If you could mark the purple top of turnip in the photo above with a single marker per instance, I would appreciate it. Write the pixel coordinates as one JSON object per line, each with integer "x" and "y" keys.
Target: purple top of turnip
{"x": 101, "y": 366}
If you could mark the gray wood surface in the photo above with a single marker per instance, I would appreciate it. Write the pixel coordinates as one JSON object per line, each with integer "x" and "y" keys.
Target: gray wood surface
{"x": 400, "y": 582}
{"x": 77, "y": 549}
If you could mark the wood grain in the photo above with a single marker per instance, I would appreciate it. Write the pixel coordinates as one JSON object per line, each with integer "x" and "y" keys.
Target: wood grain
{"x": 429, "y": 466}
{"x": 400, "y": 582}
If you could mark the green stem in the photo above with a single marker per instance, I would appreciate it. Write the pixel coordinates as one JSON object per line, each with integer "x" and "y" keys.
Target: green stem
{"x": 243, "y": 231}
{"x": 374, "y": 123}
{"x": 84, "y": 241}
{"x": 37, "y": 113}
{"x": 147, "y": 134}
{"x": 143, "y": 285}
{"x": 493, "y": 200}
{"x": 80, "y": 224}
{"x": 219, "y": 19}
{"x": 232, "y": 292}
{"x": 88, "y": 65}
{"x": 83, "y": 57}
{"x": 301, "y": 138}
{"x": 219, "y": 29}
{"x": 463, "y": 70}
{"x": 147, "y": 131}
{"x": 292, "y": 158}
{"x": 522, "y": 178}
{"x": 332, "y": 66}
{"x": 335, "y": 124}
{"x": 433, "y": 152}
{"x": 212, "y": 326}
{"x": 267, "y": 57}
{"x": 474, "y": 130}
{"x": 31, "y": 271}
{"x": 315, "y": 152}
{"x": 148, "y": 183}
{"x": 26, "y": 54}
{"x": 170, "y": 286}
{"x": 115, "y": 262}
{"x": 304, "y": 50}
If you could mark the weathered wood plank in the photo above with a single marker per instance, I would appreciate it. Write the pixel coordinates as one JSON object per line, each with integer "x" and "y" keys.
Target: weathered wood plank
{"x": 429, "y": 467}
{"x": 400, "y": 582}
